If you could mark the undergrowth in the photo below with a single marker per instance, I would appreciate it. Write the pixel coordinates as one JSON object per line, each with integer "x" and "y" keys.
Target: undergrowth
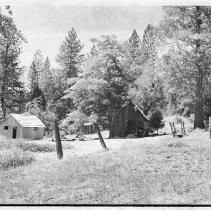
{"x": 14, "y": 153}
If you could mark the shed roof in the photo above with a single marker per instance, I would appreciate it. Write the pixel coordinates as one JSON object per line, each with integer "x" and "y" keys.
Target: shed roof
{"x": 27, "y": 120}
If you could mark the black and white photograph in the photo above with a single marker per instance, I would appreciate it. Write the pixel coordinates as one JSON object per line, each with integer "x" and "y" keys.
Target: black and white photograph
{"x": 105, "y": 103}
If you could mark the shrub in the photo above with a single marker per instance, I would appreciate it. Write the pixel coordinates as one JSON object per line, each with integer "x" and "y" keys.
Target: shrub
{"x": 33, "y": 147}
{"x": 156, "y": 120}
{"x": 14, "y": 157}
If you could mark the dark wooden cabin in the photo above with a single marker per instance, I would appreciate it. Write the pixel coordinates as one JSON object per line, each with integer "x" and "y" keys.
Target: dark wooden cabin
{"x": 129, "y": 120}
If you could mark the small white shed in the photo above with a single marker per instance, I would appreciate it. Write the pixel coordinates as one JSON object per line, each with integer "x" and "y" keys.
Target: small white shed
{"x": 22, "y": 126}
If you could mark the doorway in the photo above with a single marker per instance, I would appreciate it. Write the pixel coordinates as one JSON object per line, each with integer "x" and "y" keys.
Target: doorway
{"x": 14, "y": 132}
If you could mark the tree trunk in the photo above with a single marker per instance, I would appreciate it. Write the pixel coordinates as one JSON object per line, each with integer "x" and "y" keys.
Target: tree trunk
{"x": 111, "y": 133}
{"x": 210, "y": 126}
{"x": 199, "y": 112}
{"x": 4, "y": 86}
{"x": 100, "y": 137}
{"x": 58, "y": 141}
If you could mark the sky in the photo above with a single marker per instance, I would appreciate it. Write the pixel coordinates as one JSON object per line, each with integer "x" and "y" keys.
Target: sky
{"x": 45, "y": 23}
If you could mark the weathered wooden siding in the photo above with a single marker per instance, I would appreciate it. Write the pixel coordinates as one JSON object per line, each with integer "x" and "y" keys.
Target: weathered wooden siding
{"x": 11, "y": 123}
{"x": 127, "y": 119}
{"x": 30, "y": 133}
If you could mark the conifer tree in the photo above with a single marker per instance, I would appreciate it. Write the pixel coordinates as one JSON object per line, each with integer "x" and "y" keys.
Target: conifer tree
{"x": 45, "y": 76}
{"x": 11, "y": 40}
{"x": 148, "y": 47}
{"x": 134, "y": 46}
{"x": 70, "y": 57}
{"x": 35, "y": 70}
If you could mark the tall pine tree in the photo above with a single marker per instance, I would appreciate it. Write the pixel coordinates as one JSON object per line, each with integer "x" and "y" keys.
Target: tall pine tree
{"x": 35, "y": 70}
{"x": 148, "y": 45}
{"x": 70, "y": 57}
{"x": 134, "y": 46}
{"x": 11, "y": 86}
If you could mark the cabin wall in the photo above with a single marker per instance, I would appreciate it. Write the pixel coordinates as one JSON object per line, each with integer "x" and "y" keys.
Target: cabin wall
{"x": 128, "y": 120}
{"x": 31, "y": 133}
{"x": 11, "y": 123}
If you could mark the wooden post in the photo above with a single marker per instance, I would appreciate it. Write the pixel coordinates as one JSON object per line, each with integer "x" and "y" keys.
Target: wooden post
{"x": 102, "y": 142}
{"x": 58, "y": 141}
{"x": 210, "y": 126}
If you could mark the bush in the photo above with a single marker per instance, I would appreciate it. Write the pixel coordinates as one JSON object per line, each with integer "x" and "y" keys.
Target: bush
{"x": 14, "y": 157}
{"x": 156, "y": 120}
{"x": 33, "y": 147}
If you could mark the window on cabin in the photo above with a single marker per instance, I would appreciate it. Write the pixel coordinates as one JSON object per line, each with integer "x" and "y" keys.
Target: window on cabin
{"x": 6, "y": 127}
{"x": 35, "y": 128}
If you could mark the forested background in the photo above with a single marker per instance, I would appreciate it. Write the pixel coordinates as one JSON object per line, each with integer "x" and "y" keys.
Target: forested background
{"x": 167, "y": 69}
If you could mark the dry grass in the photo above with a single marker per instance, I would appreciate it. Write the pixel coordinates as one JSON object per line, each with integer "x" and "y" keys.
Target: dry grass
{"x": 12, "y": 156}
{"x": 14, "y": 153}
{"x": 34, "y": 147}
{"x": 171, "y": 171}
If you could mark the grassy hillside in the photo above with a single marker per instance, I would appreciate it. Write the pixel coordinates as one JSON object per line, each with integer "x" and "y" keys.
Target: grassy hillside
{"x": 166, "y": 171}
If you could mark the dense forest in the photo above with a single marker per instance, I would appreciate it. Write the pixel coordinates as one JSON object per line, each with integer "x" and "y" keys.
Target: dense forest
{"x": 167, "y": 69}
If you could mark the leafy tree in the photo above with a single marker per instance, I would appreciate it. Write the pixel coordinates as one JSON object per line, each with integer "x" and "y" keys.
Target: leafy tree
{"x": 156, "y": 120}
{"x": 102, "y": 88}
{"x": 147, "y": 89}
{"x": 39, "y": 107}
{"x": 88, "y": 94}
{"x": 11, "y": 86}
{"x": 188, "y": 30}
{"x": 178, "y": 82}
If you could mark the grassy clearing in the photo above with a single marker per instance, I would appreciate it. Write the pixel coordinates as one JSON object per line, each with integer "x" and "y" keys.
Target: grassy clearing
{"x": 12, "y": 156}
{"x": 171, "y": 171}
{"x": 14, "y": 153}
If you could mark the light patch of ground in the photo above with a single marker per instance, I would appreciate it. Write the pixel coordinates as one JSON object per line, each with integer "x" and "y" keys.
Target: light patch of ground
{"x": 80, "y": 148}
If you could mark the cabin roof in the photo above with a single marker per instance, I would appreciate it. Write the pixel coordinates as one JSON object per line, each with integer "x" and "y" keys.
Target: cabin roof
{"x": 27, "y": 120}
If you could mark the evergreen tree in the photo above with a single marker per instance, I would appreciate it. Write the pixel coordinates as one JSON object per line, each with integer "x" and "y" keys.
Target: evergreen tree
{"x": 70, "y": 57}
{"x": 156, "y": 120}
{"x": 11, "y": 40}
{"x": 134, "y": 46}
{"x": 35, "y": 70}
{"x": 148, "y": 46}
{"x": 45, "y": 76}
